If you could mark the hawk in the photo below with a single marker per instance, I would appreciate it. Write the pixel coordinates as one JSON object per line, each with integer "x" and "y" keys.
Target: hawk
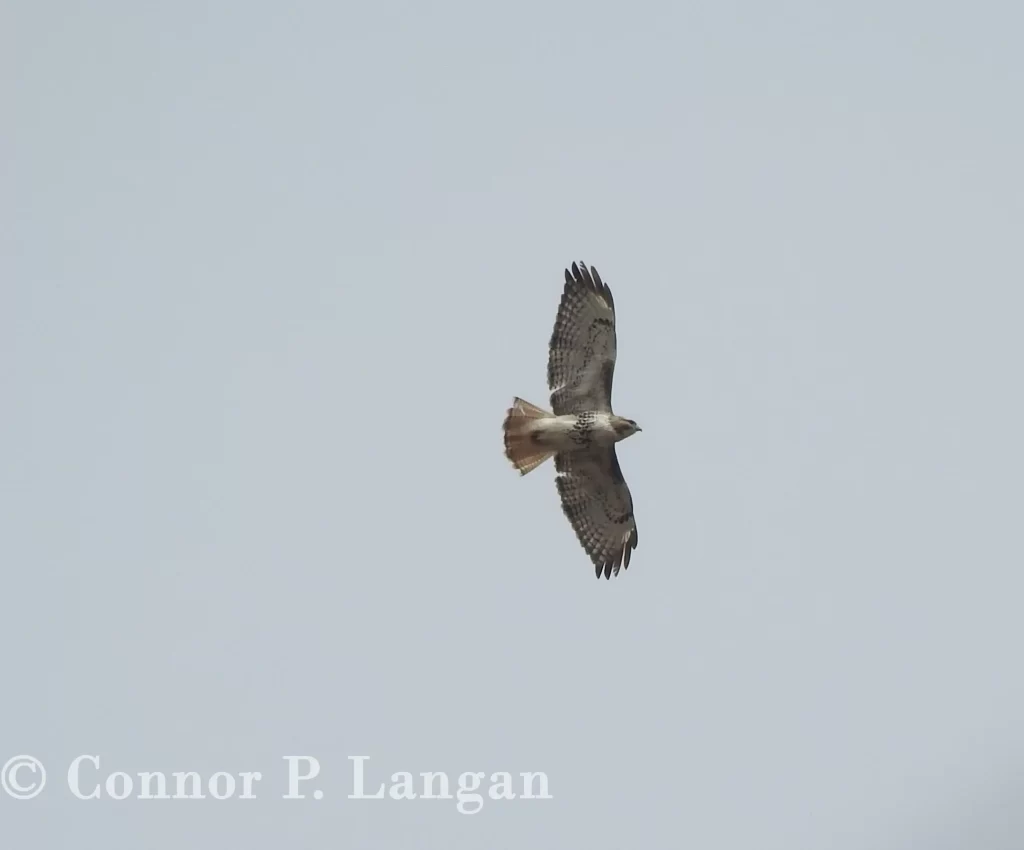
{"x": 582, "y": 431}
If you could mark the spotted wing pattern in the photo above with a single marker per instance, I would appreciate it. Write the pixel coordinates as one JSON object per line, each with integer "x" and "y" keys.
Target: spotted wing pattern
{"x": 581, "y": 357}
{"x": 597, "y": 502}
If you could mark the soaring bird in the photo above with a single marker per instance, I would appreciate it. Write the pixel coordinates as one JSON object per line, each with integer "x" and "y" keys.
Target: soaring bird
{"x": 581, "y": 431}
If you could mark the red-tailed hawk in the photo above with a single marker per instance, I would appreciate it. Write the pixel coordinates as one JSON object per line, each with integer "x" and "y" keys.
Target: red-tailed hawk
{"x": 582, "y": 431}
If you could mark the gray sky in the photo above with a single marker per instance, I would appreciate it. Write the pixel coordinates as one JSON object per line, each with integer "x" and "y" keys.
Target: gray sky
{"x": 271, "y": 276}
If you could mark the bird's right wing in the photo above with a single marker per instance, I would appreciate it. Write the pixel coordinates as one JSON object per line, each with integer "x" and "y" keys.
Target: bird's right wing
{"x": 581, "y": 356}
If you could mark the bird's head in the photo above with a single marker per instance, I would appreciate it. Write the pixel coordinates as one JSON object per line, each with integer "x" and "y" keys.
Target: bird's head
{"x": 625, "y": 427}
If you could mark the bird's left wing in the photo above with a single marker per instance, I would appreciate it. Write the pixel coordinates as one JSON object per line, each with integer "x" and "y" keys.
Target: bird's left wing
{"x": 581, "y": 356}
{"x": 597, "y": 502}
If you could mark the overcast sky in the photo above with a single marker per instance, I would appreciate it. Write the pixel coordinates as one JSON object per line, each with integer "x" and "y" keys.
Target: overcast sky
{"x": 273, "y": 272}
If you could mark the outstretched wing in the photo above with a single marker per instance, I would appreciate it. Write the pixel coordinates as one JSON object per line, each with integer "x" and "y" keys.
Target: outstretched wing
{"x": 596, "y": 500}
{"x": 581, "y": 357}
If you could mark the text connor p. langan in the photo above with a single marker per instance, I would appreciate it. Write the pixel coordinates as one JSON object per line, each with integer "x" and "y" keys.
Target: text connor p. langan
{"x": 89, "y": 780}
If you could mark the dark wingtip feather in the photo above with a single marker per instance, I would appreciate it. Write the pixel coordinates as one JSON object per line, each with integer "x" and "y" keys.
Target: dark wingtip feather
{"x": 584, "y": 275}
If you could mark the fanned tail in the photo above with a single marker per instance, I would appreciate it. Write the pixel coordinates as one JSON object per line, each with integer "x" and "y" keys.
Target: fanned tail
{"x": 520, "y": 438}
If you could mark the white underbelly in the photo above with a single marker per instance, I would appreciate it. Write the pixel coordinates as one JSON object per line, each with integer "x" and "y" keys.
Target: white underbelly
{"x": 564, "y": 434}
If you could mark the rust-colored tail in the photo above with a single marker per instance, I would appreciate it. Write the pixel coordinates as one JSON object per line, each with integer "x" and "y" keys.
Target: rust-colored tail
{"x": 520, "y": 438}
